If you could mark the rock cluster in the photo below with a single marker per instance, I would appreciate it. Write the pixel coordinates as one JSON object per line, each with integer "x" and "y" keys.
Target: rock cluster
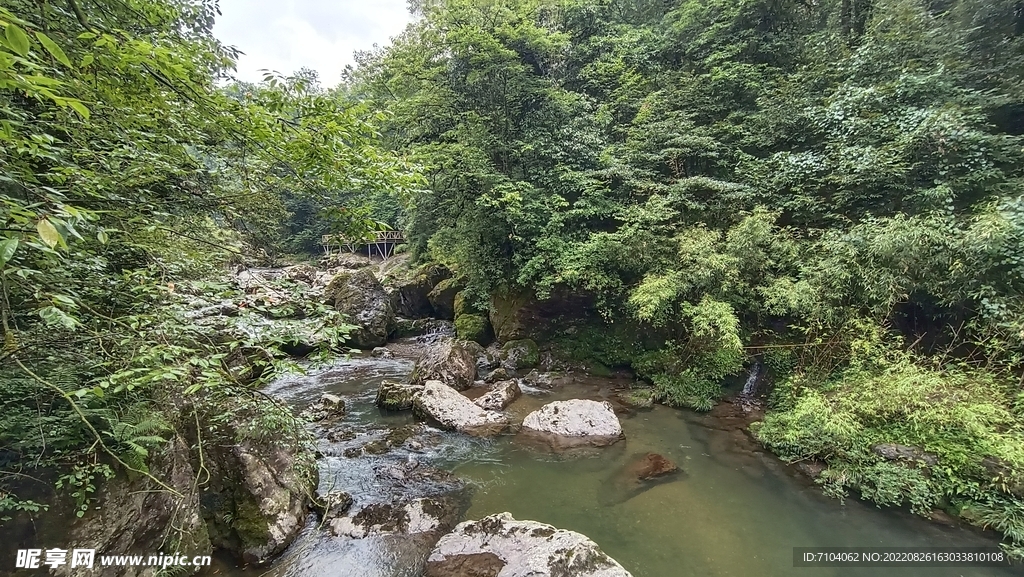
{"x": 500, "y": 546}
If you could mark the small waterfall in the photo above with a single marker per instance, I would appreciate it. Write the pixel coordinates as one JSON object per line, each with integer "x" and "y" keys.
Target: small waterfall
{"x": 750, "y": 387}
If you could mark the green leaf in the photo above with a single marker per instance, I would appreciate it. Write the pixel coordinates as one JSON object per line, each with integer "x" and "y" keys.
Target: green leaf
{"x": 86, "y": 61}
{"x": 7, "y": 248}
{"x": 79, "y": 107}
{"x": 17, "y": 39}
{"x": 53, "y": 49}
{"x": 102, "y": 237}
{"x": 48, "y": 233}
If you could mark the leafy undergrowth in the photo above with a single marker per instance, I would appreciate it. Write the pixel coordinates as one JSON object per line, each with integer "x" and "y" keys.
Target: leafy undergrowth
{"x": 960, "y": 435}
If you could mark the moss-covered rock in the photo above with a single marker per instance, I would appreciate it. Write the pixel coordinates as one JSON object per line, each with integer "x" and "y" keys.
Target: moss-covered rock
{"x": 411, "y": 292}
{"x": 362, "y": 299}
{"x": 395, "y": 396}
{"x": 521, "y": 354}
{"x": 474, "y": 327}
{"x": 442, "y": 298}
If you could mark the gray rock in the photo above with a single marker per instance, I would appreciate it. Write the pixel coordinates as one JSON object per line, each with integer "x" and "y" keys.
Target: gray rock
{"x": 327, "y": 408}
{"x": 452, "y": 411}
{"x": 501, "y": 395}
{"x": 336, "y": 503}
{"x": 442, "y": 298}
{"x": 500, "y": 546}
{"x": 498, "y": 374}
{"x": 382, "y": 353}
{"x": 450, "y": 362}
{"x": 589, "y": 422}
{"x": 138, "y": 515}
{"x": 259, "y": 486}
{"x": 361, "y": 298}
{"x": 894, "y": 452}
{"x": 395, "y": 396}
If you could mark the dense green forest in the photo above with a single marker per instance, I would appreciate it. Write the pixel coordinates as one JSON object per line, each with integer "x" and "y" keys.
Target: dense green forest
{"x": 832, "y": 188}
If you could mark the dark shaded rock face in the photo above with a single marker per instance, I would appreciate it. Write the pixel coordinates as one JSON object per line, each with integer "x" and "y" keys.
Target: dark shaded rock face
{"x": 442, "y": 298}
{"x": 410, "y": 296}
{"x": 255, "y": 502}
{"x": 521, "y": 315}
{"x": 499, "y": 544}
{"x": 450, "y": 362}
{"x": 137, "y": 516}
{"x": 361, "y": 298}
{"x": 894, "y": 452}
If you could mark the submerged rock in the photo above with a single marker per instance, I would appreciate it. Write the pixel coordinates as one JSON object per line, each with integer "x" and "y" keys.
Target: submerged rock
{"x": 500, "y": 546}
{"x": 643, "y": 473}
{"x": 501, "y": 395}
{"x": 452, "y": 411}
{"x": 395, "y": 396}
{"x": 576, "y": 421}
{"x": 450, "y": 362}
{"x": 361, "y": 298}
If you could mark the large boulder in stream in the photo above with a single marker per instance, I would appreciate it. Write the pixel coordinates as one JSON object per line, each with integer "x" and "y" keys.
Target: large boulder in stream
{"x": 395, "y": 396}
{"x": 575, "y": 422}
{"x": 361, "y": 298}
{"x": 500, "y": 546}
{"x": 501, "y": 395}
{"x": 446, "y": 407}
{"x": 451, "y": 362}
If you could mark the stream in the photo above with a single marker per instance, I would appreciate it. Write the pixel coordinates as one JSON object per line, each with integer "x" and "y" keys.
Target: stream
{"x": 734, "y": 511}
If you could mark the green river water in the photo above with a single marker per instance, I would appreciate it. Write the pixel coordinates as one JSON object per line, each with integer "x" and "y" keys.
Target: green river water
{"x": 735, "y": 511}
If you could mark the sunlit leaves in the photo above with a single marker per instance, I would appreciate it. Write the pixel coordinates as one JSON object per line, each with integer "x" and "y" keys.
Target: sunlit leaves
{"x": 53, "y": 49}
{"x": 17, "y": 40}
{"x": 48, "y": 233}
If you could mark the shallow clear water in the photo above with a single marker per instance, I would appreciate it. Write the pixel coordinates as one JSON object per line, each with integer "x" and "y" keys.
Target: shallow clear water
{"x": 734, "y": 511}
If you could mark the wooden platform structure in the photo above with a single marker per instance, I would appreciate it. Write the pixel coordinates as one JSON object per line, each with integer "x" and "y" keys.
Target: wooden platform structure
{"x": 382, "y": 243}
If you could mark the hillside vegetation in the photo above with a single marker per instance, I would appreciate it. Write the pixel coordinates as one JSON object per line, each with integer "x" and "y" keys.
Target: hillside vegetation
{"x": 831, "y": 188}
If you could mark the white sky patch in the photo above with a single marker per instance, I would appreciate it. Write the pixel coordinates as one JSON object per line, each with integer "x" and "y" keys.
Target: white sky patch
{"x": 286, "y": 35}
